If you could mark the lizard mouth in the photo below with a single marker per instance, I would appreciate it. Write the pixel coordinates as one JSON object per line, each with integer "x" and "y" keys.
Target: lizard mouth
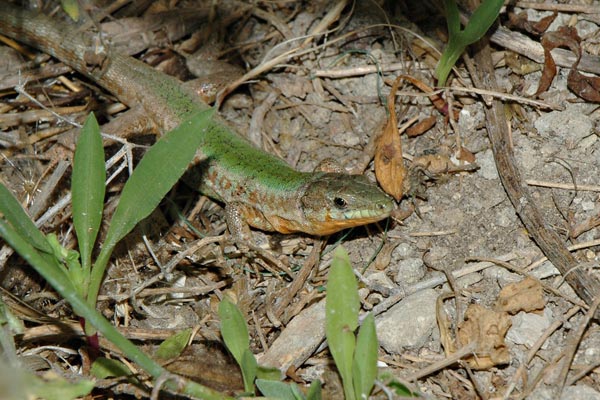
{"x": 350, "y": 219}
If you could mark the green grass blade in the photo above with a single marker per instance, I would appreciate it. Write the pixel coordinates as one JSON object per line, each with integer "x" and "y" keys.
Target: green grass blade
{"x": 275, "y": 389}
{"x": 314, "y": 391}
{"x": 449, "y": 57}
{"x": 342, "y": 305}
{"x": 63, "y": 286}
{"x": 452, "y": 17}
{"x": 249, "y": 366}
{"x": 156, "y": 173}
{"x": 20, "y": 221}
{"x": 365, "y": 358}
{"x": 87, "y": 188}
{"x": 481, "y": 20}
{"x": 233, "y": 329}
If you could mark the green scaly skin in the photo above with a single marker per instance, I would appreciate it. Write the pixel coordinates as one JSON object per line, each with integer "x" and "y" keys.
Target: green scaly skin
{"x": 258, "y": 189}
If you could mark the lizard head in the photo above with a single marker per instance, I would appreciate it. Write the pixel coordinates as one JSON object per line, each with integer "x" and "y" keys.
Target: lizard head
{"x": 332, "y": 202}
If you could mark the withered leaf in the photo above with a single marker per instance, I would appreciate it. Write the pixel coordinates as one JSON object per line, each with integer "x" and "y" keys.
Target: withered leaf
{"x": 521, "y": 21}
{"x": 487, "y": 328}
{"x": 586, "y": 87}
{"x": 527, "y": 295}
{"x": 484, "y": 327}
{"x": 389, "y": 165}
{"x": 564, "y": 37}
{"x": 421, "y": 127}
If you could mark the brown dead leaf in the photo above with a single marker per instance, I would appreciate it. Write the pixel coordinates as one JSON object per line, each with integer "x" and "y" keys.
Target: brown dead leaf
{"x": 521, "y": 21}
{"x": 466, "y": 155}
{"x": 384, "y": 258}
{"x": 421, "y": 127}
{"x": 389, "y": 165}
{"x": 487, "y": 328}
{"x": 527, "y": 295}
{"x": 437, "y": 100}
{"x": 484, "y": 327}
{"x": 438, "y": 164}
{"x": 586, "y": 87}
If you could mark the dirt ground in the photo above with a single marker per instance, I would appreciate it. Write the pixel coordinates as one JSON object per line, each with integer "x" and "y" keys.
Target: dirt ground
{"x": 507, "y": 325}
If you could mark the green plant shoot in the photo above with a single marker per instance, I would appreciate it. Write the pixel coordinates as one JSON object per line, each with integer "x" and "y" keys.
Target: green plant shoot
{"x": 355, "y": 358}
{"x": 481, "y": 20}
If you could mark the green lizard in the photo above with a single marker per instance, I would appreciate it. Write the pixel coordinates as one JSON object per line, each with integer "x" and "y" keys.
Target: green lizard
{"x": 258, "y": 189}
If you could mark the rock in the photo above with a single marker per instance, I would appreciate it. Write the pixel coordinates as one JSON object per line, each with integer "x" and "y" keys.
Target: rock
{"x": 487, "y": 165}
{"x": 579, "y": 392}
{"x": 410, "y": 271}
{"x": 528, "y": 327}
{"x": 409, "y": 323}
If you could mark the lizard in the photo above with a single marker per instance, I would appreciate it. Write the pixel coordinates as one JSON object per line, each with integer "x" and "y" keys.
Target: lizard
{"x": 258, "y": 189}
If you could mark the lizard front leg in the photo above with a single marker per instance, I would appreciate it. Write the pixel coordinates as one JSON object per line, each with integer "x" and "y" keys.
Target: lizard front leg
{"x": 239, "y": 217}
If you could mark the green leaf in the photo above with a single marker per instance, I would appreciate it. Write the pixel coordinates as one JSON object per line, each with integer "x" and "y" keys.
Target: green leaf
{"x": 20, "y": 221}
{"x": 342, "y": 305}
{"x": 275, "y": 389}
{"x": 481, "y": 20}
{"x": 71, "y": 7}
{"x": 104, "y": 367}
{"x": 268, "y": 373}
{"x": 174, "y": 346}
{"x": 249, "y": 367}
{"x": 365, "y": 358}
{"x": 314, "y": 391}
{"x": 162, "y": 165}
{"x": 233, "y": 329}
{"x": 63, "y": 286}
{"x": 298, "y": 395}
{"x": 58, "y": 388}
{"x": 87, "y": 188}
{"x": 14, "y": 324}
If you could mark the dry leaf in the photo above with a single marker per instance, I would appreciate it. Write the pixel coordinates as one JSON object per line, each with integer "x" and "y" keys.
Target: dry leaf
{"x": 487, "y": 328}
{"x": 484, "y": 327}
{"x": 562, "y": 38}
{"x": 521, "y": 21}
{"x": 421, "y": 127}
{"x": 527, "y": 295}
{"x": 389, "y": 165}
{"x": 586, "y": 87}
{"x": 438, "y": 164}
{"x": 438, "y": 102}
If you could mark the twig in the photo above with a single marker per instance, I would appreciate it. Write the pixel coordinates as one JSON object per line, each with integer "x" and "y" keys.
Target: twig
{"x": 566, "y": 186}
{"x": 585, "y": 285}
{"x": 572, "y": 344}
{"x": 535, "y": 348}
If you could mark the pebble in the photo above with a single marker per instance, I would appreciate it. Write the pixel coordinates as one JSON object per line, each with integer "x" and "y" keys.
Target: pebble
{"x": 528, "y": 327}
{"x": 408, "y": 324}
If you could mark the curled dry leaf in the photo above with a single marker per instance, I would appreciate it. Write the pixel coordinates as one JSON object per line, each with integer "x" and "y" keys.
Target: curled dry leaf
{"x": 527, "y": 295}
{"x": 522, "y": 22}
{"x": 586, "y": 87}
{"x": 564, "y": 37}
{"x": 437, "y": 100}
{"x": 438, "y": 164}
{"x": 421, "y": 127}
{"x": 486, "y": 328}
{"x": 389, "y": 165}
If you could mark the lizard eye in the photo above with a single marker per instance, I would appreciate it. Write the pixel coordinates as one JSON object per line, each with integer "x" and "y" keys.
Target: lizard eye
{"x": 340, "y": 203}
